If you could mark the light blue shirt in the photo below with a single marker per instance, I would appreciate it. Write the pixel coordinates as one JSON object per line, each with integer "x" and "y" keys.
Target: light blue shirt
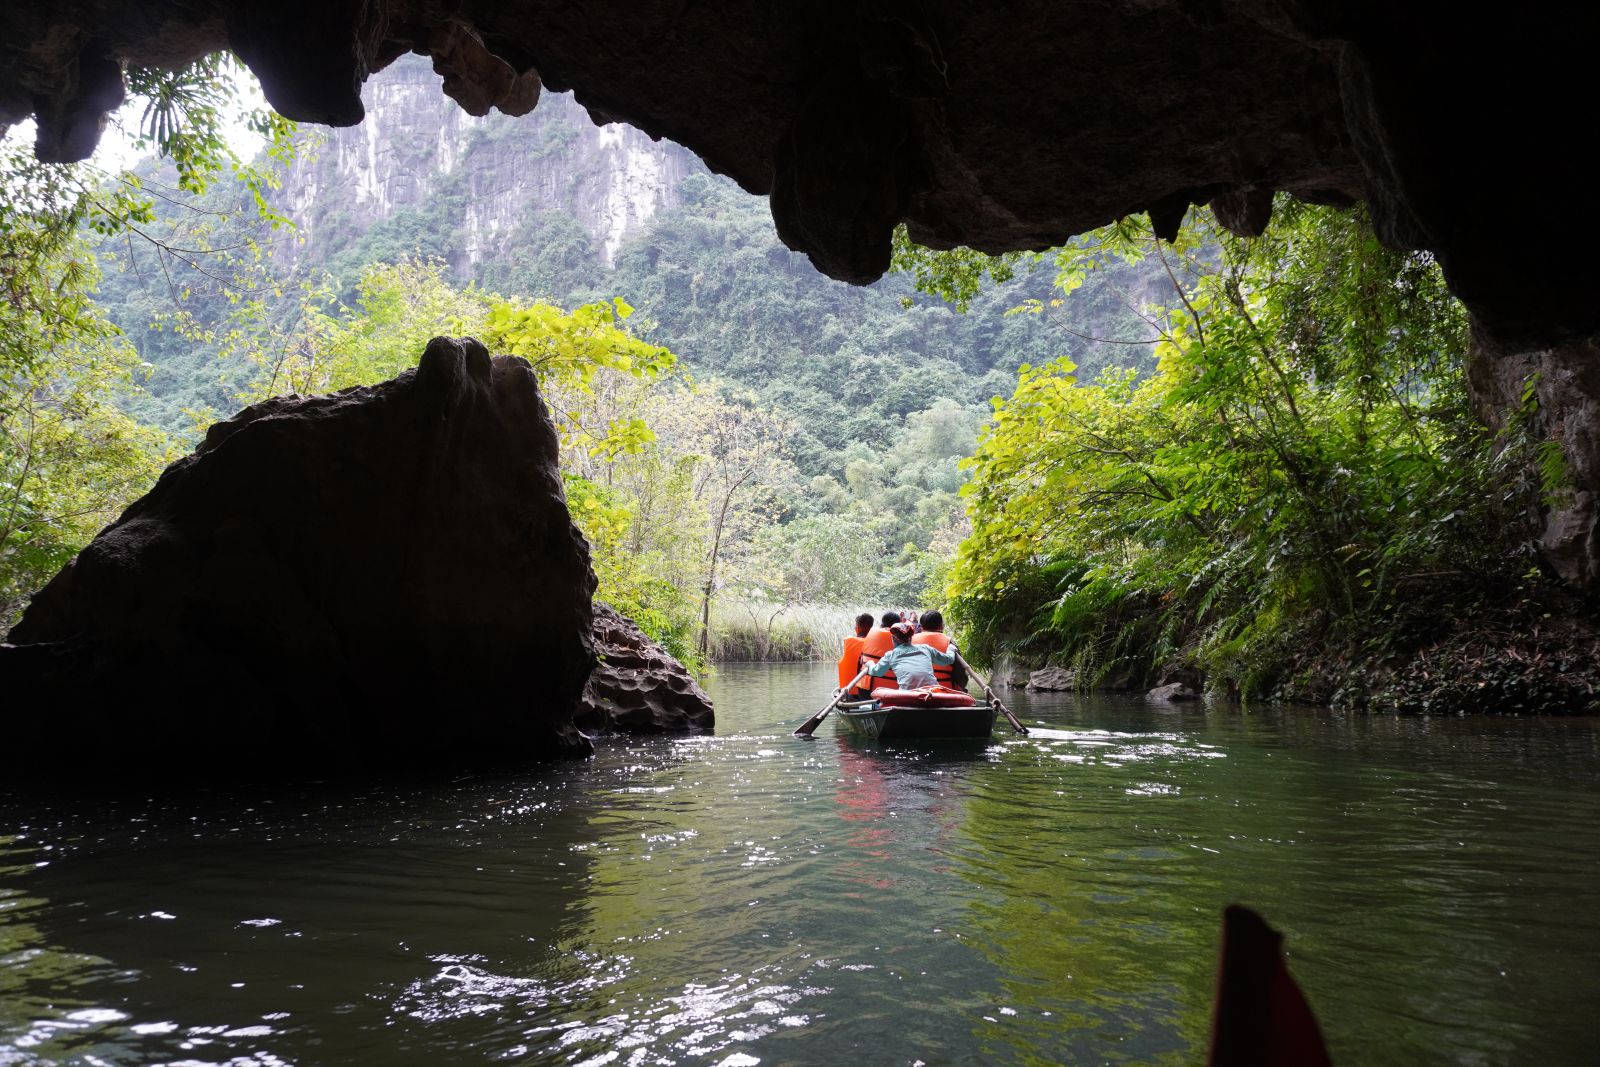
{"x": 913, "y": 664}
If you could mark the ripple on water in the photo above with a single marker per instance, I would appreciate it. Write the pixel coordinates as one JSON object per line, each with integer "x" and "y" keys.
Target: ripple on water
{"x": 754, "y": 898}
{"x": 699, "y": 1020}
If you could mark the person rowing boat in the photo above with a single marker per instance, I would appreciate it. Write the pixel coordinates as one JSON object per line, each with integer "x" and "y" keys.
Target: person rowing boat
{"x": 912, "y": 665}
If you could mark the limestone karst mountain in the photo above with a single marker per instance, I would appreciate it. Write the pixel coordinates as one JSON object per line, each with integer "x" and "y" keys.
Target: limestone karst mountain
{"x": 418, "y": 154}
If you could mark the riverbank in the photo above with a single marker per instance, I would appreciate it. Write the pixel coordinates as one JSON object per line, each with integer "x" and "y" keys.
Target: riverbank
{"x": 1523, "y": 650}
{"x": 1529, "y": 647}
{"x": 758, "y": 632}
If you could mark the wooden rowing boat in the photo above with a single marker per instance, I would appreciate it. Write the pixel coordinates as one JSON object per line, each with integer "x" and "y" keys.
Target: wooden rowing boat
{"x": 871, "y": 719}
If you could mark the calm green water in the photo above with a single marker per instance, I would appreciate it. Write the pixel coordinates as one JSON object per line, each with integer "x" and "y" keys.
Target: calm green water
{"x": 752, "y": 898}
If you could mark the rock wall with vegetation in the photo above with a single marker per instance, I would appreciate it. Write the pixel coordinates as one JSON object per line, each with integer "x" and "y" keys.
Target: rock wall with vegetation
{"x": 1554, "y": 394}
{"x": 1299, "y": 502}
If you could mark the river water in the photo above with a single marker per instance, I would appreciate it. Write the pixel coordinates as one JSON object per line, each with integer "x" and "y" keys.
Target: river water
{"x": 752, "y": 898}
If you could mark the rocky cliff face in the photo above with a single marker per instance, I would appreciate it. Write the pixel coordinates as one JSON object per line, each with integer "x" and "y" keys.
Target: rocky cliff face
{"x": 1558, "y": 390}
{"x": 637, "y": 688}
{"x": 384, "y": 576}
{"x": 417, "y": 150}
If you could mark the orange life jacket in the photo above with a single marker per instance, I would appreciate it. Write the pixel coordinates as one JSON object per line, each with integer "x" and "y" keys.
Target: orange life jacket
{"x": 850, "y": 660}
{"x": 877, "y": 643}
{"x": 944, "y": 675}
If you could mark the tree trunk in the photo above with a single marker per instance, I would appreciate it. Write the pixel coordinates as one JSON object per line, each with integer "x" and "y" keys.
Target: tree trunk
{"x": 711, "y": 569}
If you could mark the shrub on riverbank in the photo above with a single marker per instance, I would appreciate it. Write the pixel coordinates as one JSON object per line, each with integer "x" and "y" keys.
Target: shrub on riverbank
{"x": 1300, "y": 491}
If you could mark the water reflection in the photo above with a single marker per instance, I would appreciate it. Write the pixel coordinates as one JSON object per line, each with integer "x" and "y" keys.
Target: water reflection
{"x": 753, "y": 898}
{"x": 274, "y": 928}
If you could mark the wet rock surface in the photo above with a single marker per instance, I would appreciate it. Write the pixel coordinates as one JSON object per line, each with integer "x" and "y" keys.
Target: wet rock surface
{"x": 637, "y": 687}
{"x": 1052, "y": 680}
{"x": 1557, "y": 391}
{"x": 1192, "y": 677}
{"x": 1175, "y": 692}
{"x": 386, "y": 575}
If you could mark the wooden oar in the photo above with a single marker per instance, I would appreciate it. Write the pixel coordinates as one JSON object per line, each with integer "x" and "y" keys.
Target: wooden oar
{"x": 1016, "y": 724}
{"x": 806, "y": 728}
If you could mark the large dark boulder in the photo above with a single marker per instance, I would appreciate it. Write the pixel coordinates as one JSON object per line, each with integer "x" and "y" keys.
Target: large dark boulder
{"x": 387, "y": 575}
{"x": 637, "y": 687}
{"x": 1053, "y": 680}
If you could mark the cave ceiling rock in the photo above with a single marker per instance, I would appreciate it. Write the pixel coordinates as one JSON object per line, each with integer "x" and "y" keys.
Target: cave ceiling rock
{"x": 312, "y": 56}
{"x": 1001, "y": 127}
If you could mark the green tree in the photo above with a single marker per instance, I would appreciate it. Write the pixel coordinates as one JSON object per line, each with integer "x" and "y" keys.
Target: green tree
{"x": 820, "y": 559}
{"x": 69, "y": 459}
{"x": 743, "y": 477}
{"x": 1302, "y": 464}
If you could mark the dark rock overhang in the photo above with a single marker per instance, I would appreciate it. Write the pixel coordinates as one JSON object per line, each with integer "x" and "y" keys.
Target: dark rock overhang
{"x": 1000, "y": 126}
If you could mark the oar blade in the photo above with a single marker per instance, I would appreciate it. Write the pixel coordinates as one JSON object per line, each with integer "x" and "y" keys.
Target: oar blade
{"x": 1016, "y": 723}
{"x": 809, "y": 727}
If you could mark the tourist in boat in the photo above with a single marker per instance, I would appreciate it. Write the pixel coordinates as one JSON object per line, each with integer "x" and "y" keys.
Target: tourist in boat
{"x": 850, "y": 658}
{"x": 932, "y": 634}
{"x": 878, "y": 642}
{"x": 912, "y": 665}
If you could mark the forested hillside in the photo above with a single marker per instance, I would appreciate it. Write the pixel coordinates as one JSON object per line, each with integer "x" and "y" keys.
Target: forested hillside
{"x": 786, "y": 440}
{"x": 416, "y": 221}
{"x": 552, "y": 207}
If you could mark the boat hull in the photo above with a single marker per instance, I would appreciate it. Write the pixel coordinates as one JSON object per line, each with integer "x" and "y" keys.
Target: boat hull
{"x": 888, "y": 724}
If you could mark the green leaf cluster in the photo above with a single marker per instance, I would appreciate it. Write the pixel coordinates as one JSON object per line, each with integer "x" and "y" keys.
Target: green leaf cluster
{"x": 70, "y": 459}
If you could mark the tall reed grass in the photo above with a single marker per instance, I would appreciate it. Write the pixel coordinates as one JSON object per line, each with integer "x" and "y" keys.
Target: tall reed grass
{"x": 746, "y": 631}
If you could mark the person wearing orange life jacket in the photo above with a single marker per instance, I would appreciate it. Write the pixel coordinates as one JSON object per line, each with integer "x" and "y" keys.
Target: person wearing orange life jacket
{"x": 933, "y": 635}
{"x": 850, "y": 659}
{"x": 912, "y": 665}
{"x": 877, "y": 644}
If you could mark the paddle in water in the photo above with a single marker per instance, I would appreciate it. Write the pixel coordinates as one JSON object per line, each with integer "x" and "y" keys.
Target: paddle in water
{"x": 807, "y": 728}
{"x": 1016, "y": 724}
